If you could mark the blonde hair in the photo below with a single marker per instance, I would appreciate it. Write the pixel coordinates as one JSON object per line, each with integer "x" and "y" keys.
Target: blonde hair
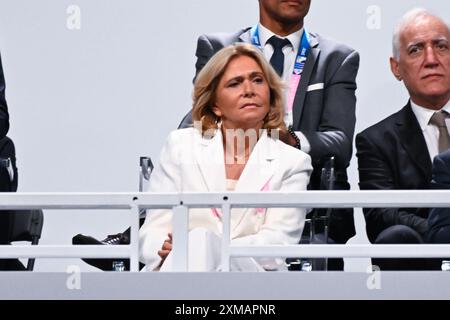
{"x": 209, "y": 77}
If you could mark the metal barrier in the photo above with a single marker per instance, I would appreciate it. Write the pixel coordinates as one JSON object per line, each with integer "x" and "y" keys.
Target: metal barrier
{"x": 181, "y": 202}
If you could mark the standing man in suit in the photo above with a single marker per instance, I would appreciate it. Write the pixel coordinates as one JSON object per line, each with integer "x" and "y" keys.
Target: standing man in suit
{"x": 397, "y": 152}
{"x": 320, "y": 99}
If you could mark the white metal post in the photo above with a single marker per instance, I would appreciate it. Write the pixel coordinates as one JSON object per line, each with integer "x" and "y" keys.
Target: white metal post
{"x": 226, "y": 218}
{"x": 134, "y": 238}
{"x": 180, "y": 245}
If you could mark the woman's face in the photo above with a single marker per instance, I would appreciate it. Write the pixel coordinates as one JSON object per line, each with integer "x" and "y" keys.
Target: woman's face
{"x": 243, "y": 96}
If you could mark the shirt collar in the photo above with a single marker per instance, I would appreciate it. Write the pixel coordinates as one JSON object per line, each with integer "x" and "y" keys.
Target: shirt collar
{"x": 265, "y": 34}
{"x": 424, "y": 115}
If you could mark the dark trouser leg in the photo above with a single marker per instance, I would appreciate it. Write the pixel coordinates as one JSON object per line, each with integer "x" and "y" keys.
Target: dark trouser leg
{"x": 440, "y": 235}
{"x": 400, "y": 234}
{"x": 11, "y": 265}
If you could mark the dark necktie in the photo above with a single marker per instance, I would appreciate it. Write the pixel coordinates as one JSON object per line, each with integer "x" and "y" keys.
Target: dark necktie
{"x": 277, "y": 59}
{"x": 438, "y": 119}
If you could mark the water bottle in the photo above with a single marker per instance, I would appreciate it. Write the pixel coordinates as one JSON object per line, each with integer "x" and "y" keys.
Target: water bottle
{"x": 445, "y": 266}
{"x": 118, "y": 266}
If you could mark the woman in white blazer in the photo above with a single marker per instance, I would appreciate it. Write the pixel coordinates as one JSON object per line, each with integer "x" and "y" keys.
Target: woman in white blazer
{"x": 234, "y": 146}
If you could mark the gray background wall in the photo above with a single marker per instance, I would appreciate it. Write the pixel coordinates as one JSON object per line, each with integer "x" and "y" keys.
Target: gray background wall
{"x": 86, "y": 103}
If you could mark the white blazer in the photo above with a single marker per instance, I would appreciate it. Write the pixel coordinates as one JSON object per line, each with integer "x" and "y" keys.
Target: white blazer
{"x": 192, "y": 163}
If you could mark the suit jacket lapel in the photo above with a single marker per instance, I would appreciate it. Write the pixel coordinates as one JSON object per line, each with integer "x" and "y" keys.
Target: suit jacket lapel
{"x": 246, "y": 36}
{"x": 210, "y": 161}
{"x": 259, "y": 168}
{"x": 257, "y": 173}
{"x": 412, "y": 139}
{"x": 255, "y": 177}
{"x": 300, "y": 95}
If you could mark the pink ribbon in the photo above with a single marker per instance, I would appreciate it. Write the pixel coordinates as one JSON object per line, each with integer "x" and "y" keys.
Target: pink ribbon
{"x": 266, "y": 187}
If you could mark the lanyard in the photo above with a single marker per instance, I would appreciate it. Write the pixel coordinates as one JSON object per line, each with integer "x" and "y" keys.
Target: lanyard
{"x": 299, "y": 65}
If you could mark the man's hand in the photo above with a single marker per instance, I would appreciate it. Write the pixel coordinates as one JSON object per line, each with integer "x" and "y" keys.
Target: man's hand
{"x": 287, "y": 138}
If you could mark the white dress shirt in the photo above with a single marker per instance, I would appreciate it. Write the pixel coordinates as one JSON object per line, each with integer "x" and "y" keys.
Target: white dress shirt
{"x": 290, "y": 53}
{"x": 430, "y": 132}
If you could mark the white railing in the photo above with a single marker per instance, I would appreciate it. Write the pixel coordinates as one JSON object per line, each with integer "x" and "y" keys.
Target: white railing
{"x": 182, "y": 202}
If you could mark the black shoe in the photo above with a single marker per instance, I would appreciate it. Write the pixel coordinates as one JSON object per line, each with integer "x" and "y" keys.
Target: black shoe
{"x": 103, "y": 264}
{"x": 119, "y": 238}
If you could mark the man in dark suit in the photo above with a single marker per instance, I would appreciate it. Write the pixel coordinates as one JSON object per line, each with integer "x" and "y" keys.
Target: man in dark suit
{"x": 320, "y": 108}
{"x": 4, "y": 116}
{"x": 439, "y": 219}
{"x": 4, "y": 217}
{"x": 397, "y": 152}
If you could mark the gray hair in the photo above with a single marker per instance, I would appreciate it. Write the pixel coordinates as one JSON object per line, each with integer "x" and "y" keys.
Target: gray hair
{"x": 409, "y": 17}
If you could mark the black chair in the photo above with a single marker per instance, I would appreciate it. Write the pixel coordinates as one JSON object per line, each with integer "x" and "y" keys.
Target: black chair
{"x": 146, "y": 168}
{"x": 327, "y": 179}
{"x": 317, "y": 225}
{"x": 27, "y": 226}
{"x": 16, "y": 225}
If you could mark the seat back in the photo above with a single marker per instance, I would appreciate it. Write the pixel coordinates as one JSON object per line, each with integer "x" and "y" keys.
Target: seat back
{"x": 26, "y": 225}
{"x": 327, "y": 179}
{"x": 145, "y": 170}
{"x": 318, "y": 220}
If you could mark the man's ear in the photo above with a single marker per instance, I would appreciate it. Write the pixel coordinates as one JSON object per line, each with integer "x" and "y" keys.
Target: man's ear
{"x": 395, "y": 68}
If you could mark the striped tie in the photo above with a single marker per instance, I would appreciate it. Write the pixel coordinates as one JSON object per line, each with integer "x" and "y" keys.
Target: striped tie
{"x": 438, "y": 120}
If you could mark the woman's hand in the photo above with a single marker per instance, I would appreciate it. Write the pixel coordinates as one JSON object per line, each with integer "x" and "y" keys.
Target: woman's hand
{"x": 166, "y": 248}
